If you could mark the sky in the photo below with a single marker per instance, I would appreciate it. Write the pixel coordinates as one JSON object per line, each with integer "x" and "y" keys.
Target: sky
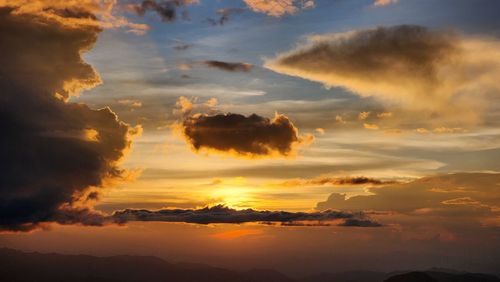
{"x": 303, "y": 136}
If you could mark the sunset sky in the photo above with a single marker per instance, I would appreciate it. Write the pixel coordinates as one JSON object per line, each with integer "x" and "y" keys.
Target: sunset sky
{"x": 182, "y": 129}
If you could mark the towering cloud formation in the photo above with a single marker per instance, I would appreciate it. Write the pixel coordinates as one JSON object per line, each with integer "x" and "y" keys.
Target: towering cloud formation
{"x": 52, "y": 151}
{"x": 246, "y": 136}
{"x": 410, "y": 65}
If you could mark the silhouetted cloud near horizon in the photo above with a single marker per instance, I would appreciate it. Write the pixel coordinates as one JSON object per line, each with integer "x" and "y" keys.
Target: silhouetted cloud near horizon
{"x": 52, "y": 151}
{"x": 223, "y": 214}
{"x": 229, "y": 66}
{"x": 251, "y": 136}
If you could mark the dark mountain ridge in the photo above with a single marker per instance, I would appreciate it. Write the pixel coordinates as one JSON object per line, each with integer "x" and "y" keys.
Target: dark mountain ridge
{"x": 17, "y": 266}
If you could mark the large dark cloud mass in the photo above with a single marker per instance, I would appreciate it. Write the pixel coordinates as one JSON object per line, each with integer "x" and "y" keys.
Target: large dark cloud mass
{"x": 222, "y": 214}
{"x": 248, "y": 136}
{"x": 51, "y": 151}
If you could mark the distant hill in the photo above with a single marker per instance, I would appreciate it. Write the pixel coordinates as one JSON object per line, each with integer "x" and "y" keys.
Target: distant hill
{"x": 17, "y": 266}
{"x": 433, "y": 276}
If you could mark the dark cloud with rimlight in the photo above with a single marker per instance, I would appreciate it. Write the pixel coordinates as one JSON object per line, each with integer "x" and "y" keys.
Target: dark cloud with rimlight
{"x": 222, "y": 214}
{"x": 52, "y": 151}
{"x": 253, "y": 136}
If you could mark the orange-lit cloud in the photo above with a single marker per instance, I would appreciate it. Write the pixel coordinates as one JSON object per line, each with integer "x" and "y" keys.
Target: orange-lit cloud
{"x": 379, "y": 3}
{"x": 75, "y": 13}
{"x": 278, "y": 8}
{"x": 411, "y": 66}
{"x": 57, "y": 150}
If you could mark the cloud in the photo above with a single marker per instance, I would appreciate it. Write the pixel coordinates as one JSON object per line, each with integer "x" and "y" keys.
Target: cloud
{"x": 252, "y": 136}
{"x": 358, "y": 180}
{"x": 76, "y": 14}
{"x": 228, "y": 66}
{"x": 379, "y": 3}
{"x": 278, "y": 8}
{"x": 52, "y": 151}
{"x": 182, "y": 46}
{"x": 224, "y": 15}
{"x": 458, "y": 194}
{"x": 222, "y": 214}
{"x": 165, "y": 9}
{"x": 411, "y": 66}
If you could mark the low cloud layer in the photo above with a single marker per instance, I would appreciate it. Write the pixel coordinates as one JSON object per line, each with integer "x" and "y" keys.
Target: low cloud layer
{"x": 411, "y": 66}
{"x": 54, "y": 153}
{"x": 459, "y": 194}
{"x": 228, "y": 66}
{"x": 222, "y": 214}
{"x": 252, "y": 136}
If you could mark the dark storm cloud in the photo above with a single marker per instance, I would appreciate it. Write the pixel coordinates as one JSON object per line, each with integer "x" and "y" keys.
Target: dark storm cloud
{"x": 222, "y": 214}
{"x": 167, "y": 9}
{"x": 247, "y": 136}
{"x": 229, "y": 66}
{"x": 51, "y": 151}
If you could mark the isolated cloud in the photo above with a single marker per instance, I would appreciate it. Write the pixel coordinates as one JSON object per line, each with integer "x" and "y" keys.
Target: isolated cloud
{"x": 52, "y": 151}
{"x": 357, "y": 180}
{"x": 228, "y": 66}
{"x": 251, "y": 136}
{"x": 379, "y": 3}
{"x": 278, "y": 8}
{"x": 222, "y": 214}
{"x": 410, "y": 65}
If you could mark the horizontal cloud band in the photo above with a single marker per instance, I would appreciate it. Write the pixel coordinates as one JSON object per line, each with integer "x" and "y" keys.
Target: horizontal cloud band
{"x": 222, "y": 214}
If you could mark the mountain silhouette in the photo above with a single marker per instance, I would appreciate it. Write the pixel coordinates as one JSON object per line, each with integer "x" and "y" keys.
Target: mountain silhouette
{"x": 17, "y": 266}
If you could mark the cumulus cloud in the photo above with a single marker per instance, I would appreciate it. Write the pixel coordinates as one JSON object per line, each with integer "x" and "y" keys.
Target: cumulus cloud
{"x": 252, "y": 136}
{"x": 228, "y": 66}
{"x": 278, "y": 8}
{"x": 222, "y": 214}
{"x": 90, "y": 13}
{"x": 52, "y": 151}
{"x": 412, "y": 66}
